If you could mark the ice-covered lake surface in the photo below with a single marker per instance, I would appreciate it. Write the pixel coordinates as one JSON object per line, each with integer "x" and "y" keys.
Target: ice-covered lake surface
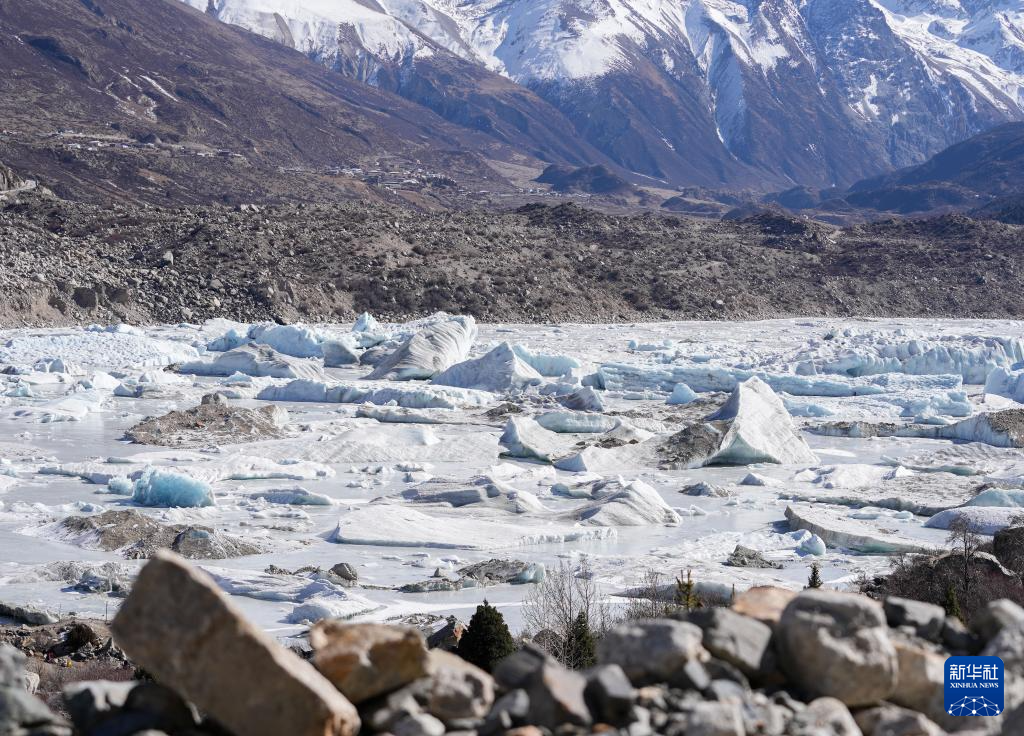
{"x": 409, "y": 478}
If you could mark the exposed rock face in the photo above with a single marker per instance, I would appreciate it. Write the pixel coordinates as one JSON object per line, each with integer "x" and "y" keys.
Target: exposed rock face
{"x": 181, "y": 628}
{"x": 8, "y": 179}
{"x": 837, "y": 645}
{"x": 367, "y": 660}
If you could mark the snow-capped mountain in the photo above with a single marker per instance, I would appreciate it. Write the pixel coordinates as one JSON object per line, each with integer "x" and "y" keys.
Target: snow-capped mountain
{"x": 713, "y": 92}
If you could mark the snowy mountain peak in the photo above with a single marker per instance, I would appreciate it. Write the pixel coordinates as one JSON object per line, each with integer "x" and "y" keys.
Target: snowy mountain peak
{"x": 902, "y": 78}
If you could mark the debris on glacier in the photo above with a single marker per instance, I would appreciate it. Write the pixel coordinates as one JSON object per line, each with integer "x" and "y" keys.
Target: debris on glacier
{"x": 753, "y": 426}
{"x": 258, "y": 361}
{"x": 500, "y": 370}
{"x": 433, "y": 349}
{"x": 213, "y": 421}
{"x": 999, "y": 428}
{"x": 137, "y": 536}
{"x": 760, "y": 429}
{"x": 584, "y": 398}
{"x": 171, "y": 489}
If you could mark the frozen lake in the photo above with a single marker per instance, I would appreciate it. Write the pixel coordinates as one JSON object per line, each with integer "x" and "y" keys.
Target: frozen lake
{"x": 69, "y": 395}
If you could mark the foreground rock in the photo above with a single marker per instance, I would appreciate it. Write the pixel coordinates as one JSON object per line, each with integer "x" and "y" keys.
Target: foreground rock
{"x": 178, "y": 626}
{"x": 837, "y": 645}
{"x": 367, "y": 660}
{"x": 21, "y": 713}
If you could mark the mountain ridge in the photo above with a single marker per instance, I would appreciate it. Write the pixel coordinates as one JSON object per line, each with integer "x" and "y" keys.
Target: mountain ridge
{"x": 769, "y": 93}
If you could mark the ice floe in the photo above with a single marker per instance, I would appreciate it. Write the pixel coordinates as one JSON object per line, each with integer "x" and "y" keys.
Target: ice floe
{"x": 253, "y": 360}
{"x": 430, "y": 351}
{"x": 500, "y": 370}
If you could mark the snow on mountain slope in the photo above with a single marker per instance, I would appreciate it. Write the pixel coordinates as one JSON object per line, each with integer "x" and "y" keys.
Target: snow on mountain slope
{"x": 859, "y": 85}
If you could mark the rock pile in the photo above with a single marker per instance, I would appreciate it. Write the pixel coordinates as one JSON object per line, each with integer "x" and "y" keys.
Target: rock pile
{"x": 213, "y": 422}
{"x": 818, "y": 663}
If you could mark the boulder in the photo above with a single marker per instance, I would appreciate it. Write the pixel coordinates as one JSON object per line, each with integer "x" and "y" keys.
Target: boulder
{"x": 127, "y": 707}
{"x": 891, "y": 720}
{"x": 181, "y": 628}
{"x": 743, "y": 642}
{"x": 345, "y": 571}
{"x": 456, "y": 689}
{"x": 824, "y": 717}
{"x": 610, "y": 695}
{"x": 764, "y": 603}
{"x": 920, "y": 684}
{"x": 556, "y": 694}
{"x": 710, "y": 718}
{"x": 996, "y": 616}
{"x": 926, "y": 620}
{"x": 837, "y": 645}
{"x": 367, "y": 660}
{"x": 746, "y": 557}
{"x": 654, "y": 650}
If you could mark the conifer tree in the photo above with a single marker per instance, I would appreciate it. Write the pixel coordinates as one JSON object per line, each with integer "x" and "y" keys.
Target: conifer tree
{"x": 487, "y": 641}
{"x": 686, "y": 592}
{"x": 814, "y": 581}
{"x": 579, "y": 644}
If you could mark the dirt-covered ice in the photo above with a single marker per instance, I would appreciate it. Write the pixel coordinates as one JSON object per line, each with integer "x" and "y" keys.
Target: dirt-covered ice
{"x": 413, "y": 452}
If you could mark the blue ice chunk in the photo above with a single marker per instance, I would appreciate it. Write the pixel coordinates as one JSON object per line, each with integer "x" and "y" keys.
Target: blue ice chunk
{"x": 170, "y": 489}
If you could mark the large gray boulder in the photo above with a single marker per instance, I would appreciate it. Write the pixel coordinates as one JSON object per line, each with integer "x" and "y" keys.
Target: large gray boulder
{"x": 556, "y": 694}
{"x": 179, "y": 626}
{"x": 741, "y": 641}
{"x": 837, "y": 645}
{"x": 654, "y": 650}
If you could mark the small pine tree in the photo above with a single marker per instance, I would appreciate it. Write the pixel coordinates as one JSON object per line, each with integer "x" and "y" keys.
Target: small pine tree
{"x": 487, "y": 641}
{"x": 814, "y": 581}
{"x": 579, "y": 644}
{"x": 686, "y": 593}
{"x": 953, "y": 603}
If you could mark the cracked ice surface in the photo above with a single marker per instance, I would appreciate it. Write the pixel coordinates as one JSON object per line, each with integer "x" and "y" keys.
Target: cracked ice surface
{"x": 405, "y": 479}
